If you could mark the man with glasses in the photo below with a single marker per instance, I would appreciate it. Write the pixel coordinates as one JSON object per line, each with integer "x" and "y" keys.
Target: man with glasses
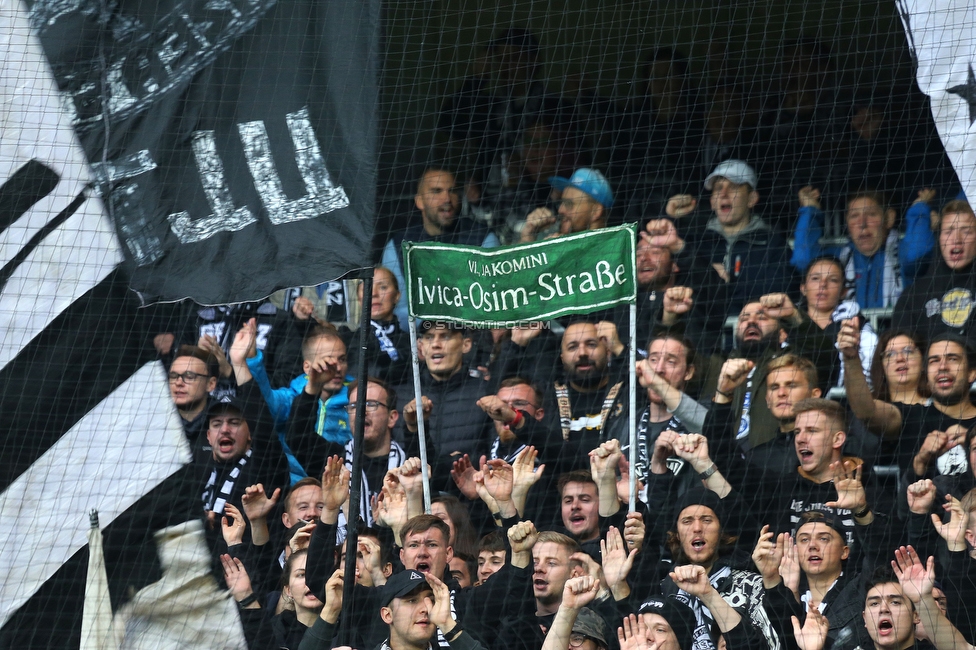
{"x": 192, "y": 375}
{"x": 514, "y": 405}
{"x": 380, "y": 452}
{"x": 584, "y": 203}
{"x": 938, "y": 447}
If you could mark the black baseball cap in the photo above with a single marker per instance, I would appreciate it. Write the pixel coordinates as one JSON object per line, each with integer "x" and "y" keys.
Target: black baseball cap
{"x": 400, "y": 584}
{"x": 226, "y": 404}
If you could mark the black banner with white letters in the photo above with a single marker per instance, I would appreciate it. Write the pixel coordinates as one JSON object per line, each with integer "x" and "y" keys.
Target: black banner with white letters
{"x": 233, "y": 141}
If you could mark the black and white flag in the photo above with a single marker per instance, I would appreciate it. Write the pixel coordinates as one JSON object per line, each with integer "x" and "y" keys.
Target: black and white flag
{"x": 942, "y": 37}
{"x": 233, "y": 140}
{"x": 87, "y": 418}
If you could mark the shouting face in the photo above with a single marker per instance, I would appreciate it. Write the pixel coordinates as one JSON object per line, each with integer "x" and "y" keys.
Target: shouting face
{"x": 229, "y": 435}
{"x": 889, "y": 616}
{"x": 699, "y": 532}
{"x": 438, "y": 201}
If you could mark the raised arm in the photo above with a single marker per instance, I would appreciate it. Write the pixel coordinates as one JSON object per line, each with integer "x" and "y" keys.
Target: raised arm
{"x": 917, "y": 582}
{"x": 880, "y": 417}
{"x": 577, "y": 594}
{"x": 244, "y": 346}
{"x": 693, "y": 579}
{"x": 603, "y": 468}
{"x": 694, "y": 449}
{"x": 809, "y": 229}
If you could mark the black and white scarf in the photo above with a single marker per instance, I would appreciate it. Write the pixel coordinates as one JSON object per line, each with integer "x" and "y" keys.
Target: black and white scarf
{"x": 382, "y": 333}
{"x": 645, "y": 447}
{"x": 397, "y": 457}
{"x": 214, "y": 500}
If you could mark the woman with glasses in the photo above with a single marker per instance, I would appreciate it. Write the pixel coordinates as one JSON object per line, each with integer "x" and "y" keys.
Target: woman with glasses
{"x": 900, "y": 393}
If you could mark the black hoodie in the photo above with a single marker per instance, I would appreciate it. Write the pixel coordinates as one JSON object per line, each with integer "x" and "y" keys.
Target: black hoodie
{"x": 941, "y": 301}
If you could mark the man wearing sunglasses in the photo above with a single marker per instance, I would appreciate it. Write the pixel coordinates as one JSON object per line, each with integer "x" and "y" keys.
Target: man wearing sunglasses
{"x": 584, "y": 203}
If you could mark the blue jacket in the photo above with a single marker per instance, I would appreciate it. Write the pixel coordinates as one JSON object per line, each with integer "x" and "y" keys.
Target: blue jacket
{"x": 333, "y": 421}
{"x": 878, "y": 280}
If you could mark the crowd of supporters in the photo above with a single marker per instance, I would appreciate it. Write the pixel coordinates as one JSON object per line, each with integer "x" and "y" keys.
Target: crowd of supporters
{"x": 806, "y": 435}
{"x": 805, "y": 479}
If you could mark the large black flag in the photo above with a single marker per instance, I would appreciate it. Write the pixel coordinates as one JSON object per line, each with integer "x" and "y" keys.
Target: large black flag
{"x": 88, "y": 423}
{"x": 233, "y": 140}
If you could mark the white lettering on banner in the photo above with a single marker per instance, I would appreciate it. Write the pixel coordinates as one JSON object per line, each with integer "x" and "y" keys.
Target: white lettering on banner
{"x": 321, "y": 195}
{"x": 507, "y": 267}
{"x": 224, "y": 216}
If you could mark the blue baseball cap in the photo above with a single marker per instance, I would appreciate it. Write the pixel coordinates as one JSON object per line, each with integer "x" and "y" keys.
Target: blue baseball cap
{"x": 587, "y": 180}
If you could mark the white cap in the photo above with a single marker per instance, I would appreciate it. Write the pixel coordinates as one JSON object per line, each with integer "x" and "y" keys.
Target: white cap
{"x": 737, "y": 171}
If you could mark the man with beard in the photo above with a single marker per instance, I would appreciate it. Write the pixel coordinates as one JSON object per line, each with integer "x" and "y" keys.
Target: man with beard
{"x": 591, "y": 405}
{"x": 951, "y": 370}
{"x": 438, "y": 201}
{"x": 585, "y": 200}
{"x": 767, "y": 328}
{"x": 668, "y": 368}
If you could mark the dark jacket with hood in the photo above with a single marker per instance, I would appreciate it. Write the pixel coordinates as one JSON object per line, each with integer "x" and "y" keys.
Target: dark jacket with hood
{"x": 756, "y": 258}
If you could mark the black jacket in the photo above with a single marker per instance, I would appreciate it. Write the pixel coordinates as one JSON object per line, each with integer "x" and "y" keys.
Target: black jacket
{"x": 383, "y": 365}
{"x": 941, "y": 301}
{"x": 756, "y": 259}
{"x": 456, "y": 425}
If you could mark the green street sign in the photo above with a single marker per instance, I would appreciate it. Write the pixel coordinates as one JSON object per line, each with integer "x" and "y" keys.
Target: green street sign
{"x": 498, "y": 287}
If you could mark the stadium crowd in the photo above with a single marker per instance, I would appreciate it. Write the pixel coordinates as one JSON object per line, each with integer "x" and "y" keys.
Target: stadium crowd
{"x": 805, "y": 479}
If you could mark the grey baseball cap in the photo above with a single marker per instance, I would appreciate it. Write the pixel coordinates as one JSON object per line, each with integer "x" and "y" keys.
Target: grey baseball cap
{"x": 737, "y": 171}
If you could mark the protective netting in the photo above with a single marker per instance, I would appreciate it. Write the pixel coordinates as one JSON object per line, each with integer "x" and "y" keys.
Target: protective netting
{"x": 805, "y": 288}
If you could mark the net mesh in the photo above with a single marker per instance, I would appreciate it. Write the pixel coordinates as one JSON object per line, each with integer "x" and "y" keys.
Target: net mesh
{"x": 802, "y": 234}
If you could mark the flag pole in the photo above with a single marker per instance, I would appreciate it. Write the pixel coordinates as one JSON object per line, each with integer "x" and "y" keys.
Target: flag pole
{"x": 421, "y": 425}
{"x": 356, "y": 475}
{"x": 633, "y": 406}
